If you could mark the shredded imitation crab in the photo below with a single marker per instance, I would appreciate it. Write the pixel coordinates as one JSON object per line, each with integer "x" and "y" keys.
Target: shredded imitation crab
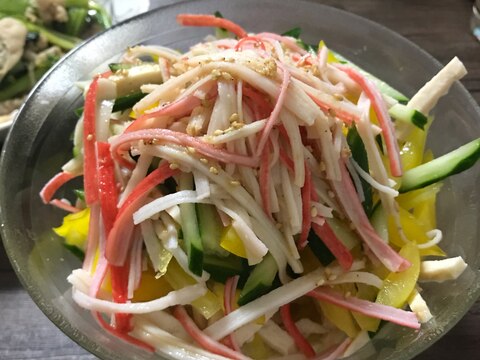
{"x": 245, "y": 203}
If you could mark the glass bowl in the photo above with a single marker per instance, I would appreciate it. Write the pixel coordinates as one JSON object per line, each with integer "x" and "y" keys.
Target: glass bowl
{"x": 39, "y": 143}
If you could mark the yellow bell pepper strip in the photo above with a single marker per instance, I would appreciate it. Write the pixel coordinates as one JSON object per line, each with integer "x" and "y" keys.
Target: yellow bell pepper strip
{"x": 340, "y": 317}
{"x": 208, "y": 304}
{"x": 74, "y": 229}
{"x": 414, "y": 230}
{"x": 231, "y": 242}
{"x": 369, "y": 293}
{"x": 426, "y": 213}
{"x": 414, "y": 198}
{"x": 398, "y": 286}
{"x": 151, "y": 287}
{"x": 331, "y": 58}
{"x": 411, "y": 152}
{"x": 257, "y": 349}
{"x": 422, "y": 201}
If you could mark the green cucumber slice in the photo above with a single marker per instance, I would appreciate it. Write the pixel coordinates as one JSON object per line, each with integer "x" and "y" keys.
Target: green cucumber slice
{"x": 211, "y": 228}
{"x": 444, "y": 166}
{"x": 191, "y": 234}
{"x": 408, "y": 115}
{"x": 260, "y": 280}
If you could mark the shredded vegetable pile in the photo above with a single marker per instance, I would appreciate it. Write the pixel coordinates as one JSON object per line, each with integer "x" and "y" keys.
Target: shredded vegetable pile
{"x": 254, "y": 197}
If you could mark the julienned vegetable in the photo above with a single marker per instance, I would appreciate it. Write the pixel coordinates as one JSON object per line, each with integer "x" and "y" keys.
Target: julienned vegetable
{"x": 438, "y": 169}
{"x": 228, "y": 192}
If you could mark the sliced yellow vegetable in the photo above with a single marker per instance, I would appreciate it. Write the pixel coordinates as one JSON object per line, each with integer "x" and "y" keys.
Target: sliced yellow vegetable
{"x": 412, "y": 151}
{"x": 426, "y": 213}
{"x": 414, "y": 230}
{"x": 165, "y": 257}
{"x": 231, "y": 242}
{"x": 75, "y": 229}
{"x": 95, "y": 260}
{"x": 414, "y": 198}
{"x": 428, "y": 156}
{"x": 340, "y": 317}
{"x": 397, "y": 287}
{"x": 219, "y": 290}
{"x": 331, "y": 58}
{"x": 151, "y": 287}
{"x": 133, "y": 114}
{"x": 369, "y": 293}
{"x": 106, "y": 284}
{"x": 257, "y": 349}
{"x": 208, "y": 305}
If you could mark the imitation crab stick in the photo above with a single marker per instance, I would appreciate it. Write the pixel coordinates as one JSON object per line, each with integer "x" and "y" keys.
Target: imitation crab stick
{"x": 211, "y": 21}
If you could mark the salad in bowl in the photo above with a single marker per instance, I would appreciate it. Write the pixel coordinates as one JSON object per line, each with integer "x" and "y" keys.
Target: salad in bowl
{"x": 254, "y": 197}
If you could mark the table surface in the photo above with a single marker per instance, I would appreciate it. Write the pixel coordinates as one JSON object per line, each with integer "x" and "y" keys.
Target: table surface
{"x": 441, "y": 27}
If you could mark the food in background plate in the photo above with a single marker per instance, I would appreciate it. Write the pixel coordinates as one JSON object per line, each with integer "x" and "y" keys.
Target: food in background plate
{"x": 34, "y": 34}
{"x": 254, "y": 197}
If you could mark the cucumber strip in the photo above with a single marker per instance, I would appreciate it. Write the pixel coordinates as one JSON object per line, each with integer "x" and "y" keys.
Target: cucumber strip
{"x": 360, "y": 156}
{"x": 80, "y": 194}
{"x": 408, "y": 115}
{"x": 114, "y": 67}
{"x": 343, "y": 233}
{"x": 78, "y": 111}
{"x": 449, "y": 164}
{"x": 220, "y": 33}
{"x": 211, "y": 228}
{"x": 294, "y": 32}
{"x": 126, "y": 102}
{"x": 191, "y": 234}
{"x": 260, "y": 280}
{"x": 381, "y": 85}
{"x": 221, "y": 268}
{"x": 319, "y": 249}
{"x": 379, "y": 222}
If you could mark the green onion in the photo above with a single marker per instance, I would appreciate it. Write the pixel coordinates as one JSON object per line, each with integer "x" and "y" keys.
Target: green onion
{"x": 76, "y": 21}
{"x": 17, "y": 7}
{"x": 64, "y": 41}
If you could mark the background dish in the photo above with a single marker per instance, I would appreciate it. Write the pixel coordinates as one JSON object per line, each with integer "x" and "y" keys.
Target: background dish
{"x": 119, "y": 10}
{"x": 24, "y": 206}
